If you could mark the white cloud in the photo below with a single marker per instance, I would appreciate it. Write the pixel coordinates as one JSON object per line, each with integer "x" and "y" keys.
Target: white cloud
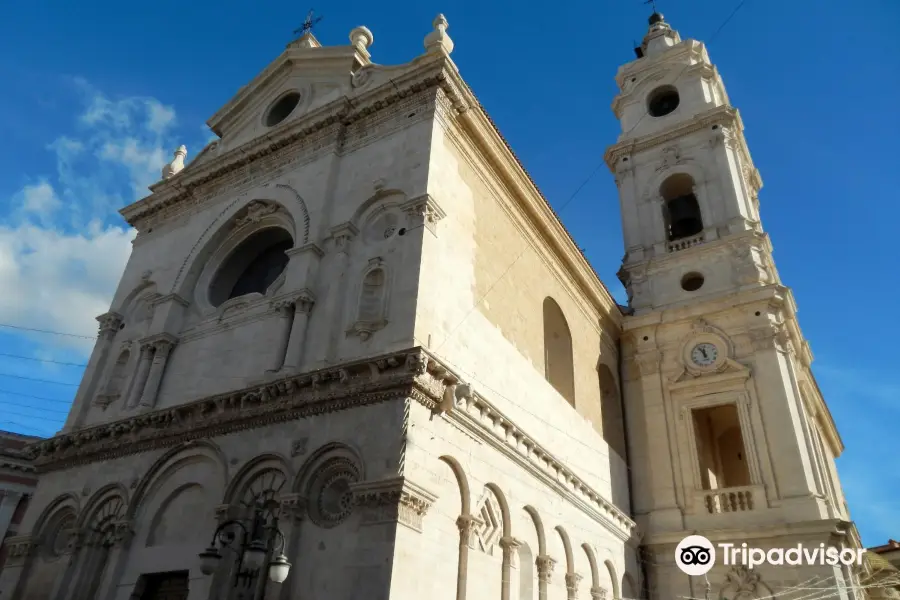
{"x": 62, "y": 246}
{"x": 39, "y": 199}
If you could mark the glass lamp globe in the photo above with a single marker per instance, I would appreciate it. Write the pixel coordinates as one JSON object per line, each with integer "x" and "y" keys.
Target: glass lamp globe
{"x": 209, "y": 560}
{"x": 279, "y": 568}
{"x": 255, "y": 555}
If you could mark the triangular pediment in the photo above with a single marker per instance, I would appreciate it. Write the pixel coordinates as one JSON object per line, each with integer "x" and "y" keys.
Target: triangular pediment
{"x": 319, "y": 75}
{"x": 730, "y": 371}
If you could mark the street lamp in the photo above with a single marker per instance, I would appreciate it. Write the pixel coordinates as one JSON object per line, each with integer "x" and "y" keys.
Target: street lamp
{"x": 253, "y": 546}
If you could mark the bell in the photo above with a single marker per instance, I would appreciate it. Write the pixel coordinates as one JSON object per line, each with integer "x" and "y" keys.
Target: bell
{"x": 684, "y": 217}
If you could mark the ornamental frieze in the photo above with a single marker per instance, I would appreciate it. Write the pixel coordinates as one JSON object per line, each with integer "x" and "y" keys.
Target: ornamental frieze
{"x": 413, "y": 374}
{"x": 293, "y": 397}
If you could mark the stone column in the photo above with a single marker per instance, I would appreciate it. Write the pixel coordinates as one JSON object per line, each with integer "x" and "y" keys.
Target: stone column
{"x": 466, "y": 525}
{"x": 510, "y": 546}
{"x": 119, "y": 542}
{"x": 140, "y": 378}
{"x": 572, "y": 580}
{"x": 303, "y": 305}
{"x": 162, "y": 345}
{"x": 342, "y": 235}
{"x": 544, "y": 566}
{"x": 109, "y": 326}
{"x": 9, "y": 500}
{"x": 285, "y": 309}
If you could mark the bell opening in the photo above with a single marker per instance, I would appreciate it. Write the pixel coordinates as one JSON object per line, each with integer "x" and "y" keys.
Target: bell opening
{"x": 681, "y": 209}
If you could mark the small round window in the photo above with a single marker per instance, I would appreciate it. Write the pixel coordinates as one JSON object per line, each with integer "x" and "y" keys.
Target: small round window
{"x": 663, "y": 101}
{"x": 282, "y": 109}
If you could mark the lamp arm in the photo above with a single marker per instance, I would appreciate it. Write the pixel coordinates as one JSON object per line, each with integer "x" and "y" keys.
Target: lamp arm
{"x": 221, "y": 529}
{"x": 276, "y": 547}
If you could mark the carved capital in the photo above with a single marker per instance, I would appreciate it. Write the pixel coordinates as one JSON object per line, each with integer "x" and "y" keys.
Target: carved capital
{"x": 598, "y": 593}
{"x": 19, "y": 548}
{"x": 293, "y": 507}
{"x": 160, "y": 344}
{"x": 304, "y": 302}
{"x": 466, "y": 526}
{"x": 122, "y": 532}
{"x": 572, "y": 581}
{"x": 509, "y": 545}
{"x": 109, "y": 324}
{"x": 423, "y": 210}
{"x": 648, "y": 363}
{"x": 342, "y": 235}
{"x": 545, "y": 566}
{"x": 224, "y": 512}
{"x": 395, "y": 499}
{"x": 774, "y": 336}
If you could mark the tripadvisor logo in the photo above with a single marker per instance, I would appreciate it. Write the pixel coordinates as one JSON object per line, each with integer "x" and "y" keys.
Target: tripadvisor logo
{"x": 695, "y": 555}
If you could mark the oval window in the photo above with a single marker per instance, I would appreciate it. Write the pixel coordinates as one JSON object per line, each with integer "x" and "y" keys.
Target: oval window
{"x": 663, "y": 101}
{"x": 282, "y": 109}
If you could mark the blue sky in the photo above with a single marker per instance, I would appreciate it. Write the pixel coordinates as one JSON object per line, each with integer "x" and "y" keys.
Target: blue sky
{"x": 97, "y": 95}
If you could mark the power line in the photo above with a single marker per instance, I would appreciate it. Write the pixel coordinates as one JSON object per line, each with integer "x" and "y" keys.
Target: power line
{"x": 17, "y": 424}
{"x": 43, "y": 360}
{"x": 30, "y": 407}
{"x": 48, "y": 331}
{"x": 575, "y": 193}
{"x": 37, "y": 380}
{"x": 19, "y": 414}
{"x": 10, "y": 393}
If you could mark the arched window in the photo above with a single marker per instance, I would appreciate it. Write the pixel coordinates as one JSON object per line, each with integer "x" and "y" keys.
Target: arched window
{"x": 253, "y": 266}
{"x": 680, "y": 209}
{"x": 558, "y": 360}
{"x": 371, "y": 296}
{"x": 611, "y": 411}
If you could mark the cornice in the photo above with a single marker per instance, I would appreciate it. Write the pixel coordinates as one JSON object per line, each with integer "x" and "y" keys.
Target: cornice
{"x": 724, "y": 116}
{"x": 16, "y": 466}
{"x": 337, "y": 115}
{"x": 414, "y": 373}
{"x": 481, "y": 131}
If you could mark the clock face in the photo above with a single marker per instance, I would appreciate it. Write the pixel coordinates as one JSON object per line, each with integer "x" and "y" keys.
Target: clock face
{"x": 704, "y": 354}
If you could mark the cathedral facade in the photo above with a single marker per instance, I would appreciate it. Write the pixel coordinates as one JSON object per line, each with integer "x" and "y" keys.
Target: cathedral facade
{"x": 354, "y": 354}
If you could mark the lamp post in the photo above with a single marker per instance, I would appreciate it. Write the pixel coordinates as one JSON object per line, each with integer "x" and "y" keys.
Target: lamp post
{"x": 262, "y": 541}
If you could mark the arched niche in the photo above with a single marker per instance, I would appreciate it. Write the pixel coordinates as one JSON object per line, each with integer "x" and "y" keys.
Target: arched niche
{"x": 559, "y": 367}
{"x": 611, "y": 411}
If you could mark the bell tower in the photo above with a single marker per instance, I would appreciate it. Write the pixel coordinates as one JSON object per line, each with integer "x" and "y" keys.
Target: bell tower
{"x": 729, "y": 436}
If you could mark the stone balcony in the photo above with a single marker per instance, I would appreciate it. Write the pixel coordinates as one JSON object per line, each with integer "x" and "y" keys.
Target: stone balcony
{"x": 730, "y": 500}
{"x": 685, "y": 243}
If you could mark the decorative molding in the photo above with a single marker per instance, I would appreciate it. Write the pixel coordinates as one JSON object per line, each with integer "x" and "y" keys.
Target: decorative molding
{"x": 466, "y": 525}
{"x": 395, "y": 499}
{"x": 412, "y": 373}
{"x": 298, "y": 447}
{"x": 572, "y": 581}
{"x": 423, "y": 210}
{"x": 254, "y": 212}
{"x": 598, "y": 593}
{"x": 545, "y": 566}
{"x": 109, "y": 323}
{"x": 648, "y": 363}
{"x": 19, "y": 549}
{"x": 742, "y": 583}
{"x": 293, "y": 507}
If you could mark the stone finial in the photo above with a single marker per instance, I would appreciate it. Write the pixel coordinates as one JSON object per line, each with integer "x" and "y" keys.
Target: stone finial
{"x": 660, "y": 35}
{"x": 177, "y": 163}
{"x": 438, "y": 40}
{"x": 361, "y": 38}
